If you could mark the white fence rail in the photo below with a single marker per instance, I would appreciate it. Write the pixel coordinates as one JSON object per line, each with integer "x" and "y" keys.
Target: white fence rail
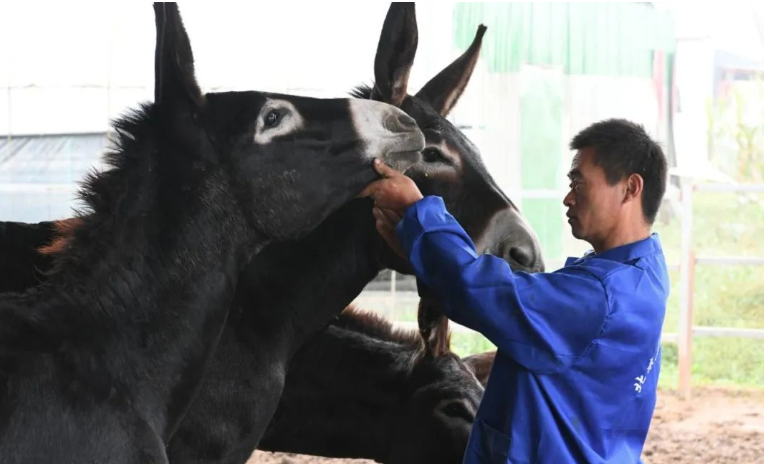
{"x": 689, "y": 261}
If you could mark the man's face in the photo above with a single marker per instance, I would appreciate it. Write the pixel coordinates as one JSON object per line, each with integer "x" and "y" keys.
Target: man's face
{"x": 593, "y": 206}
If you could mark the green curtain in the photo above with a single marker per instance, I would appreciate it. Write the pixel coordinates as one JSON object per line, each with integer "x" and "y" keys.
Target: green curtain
{"x": 615, "y": 39}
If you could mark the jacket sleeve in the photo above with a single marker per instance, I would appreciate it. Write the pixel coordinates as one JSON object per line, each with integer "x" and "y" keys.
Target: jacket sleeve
{"x": 544, "y": 321}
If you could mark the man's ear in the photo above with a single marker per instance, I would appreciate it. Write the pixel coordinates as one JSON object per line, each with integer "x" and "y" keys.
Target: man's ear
{"x": 634, "y": 186}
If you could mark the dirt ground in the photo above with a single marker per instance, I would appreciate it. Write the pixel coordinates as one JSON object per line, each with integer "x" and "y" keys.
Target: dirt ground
{"x": 283, "y": 458}
{"x": 714, "y": 427}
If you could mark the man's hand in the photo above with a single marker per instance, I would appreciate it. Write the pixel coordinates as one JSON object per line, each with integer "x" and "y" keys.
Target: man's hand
{"x": 386, "y": 222}
{"x": 394, "y": 191}
{"x": 392, "y": 195}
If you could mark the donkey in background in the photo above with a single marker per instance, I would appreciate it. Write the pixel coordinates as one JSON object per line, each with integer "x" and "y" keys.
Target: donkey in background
{"x": 363, "y": 389}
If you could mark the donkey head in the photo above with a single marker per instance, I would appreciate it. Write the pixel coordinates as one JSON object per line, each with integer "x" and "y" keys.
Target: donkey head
{"x": 283, "y": 162}
{"x": 443, "y": 399}
{"x": 451, "y": 165}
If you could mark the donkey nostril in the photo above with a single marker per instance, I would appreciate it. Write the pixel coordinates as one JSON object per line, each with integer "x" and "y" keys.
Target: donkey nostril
{"x": 397, "y": 123}
{"x": 407, "y": 122}
{"x": 523, "y": 256}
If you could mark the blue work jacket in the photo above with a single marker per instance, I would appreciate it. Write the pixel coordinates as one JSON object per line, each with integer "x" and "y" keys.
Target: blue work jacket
{"x": 575, "y": 375}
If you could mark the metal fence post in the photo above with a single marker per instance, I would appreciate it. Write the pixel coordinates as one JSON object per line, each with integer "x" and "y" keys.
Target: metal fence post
{"x": 393, "y": 294}
{"x": 687, "y": 284}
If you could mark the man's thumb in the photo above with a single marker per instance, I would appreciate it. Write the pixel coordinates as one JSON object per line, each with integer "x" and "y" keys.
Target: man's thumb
{"x": 383, "y": 169}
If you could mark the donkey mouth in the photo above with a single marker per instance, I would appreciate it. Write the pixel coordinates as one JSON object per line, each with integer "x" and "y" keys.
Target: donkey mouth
{"x": 403, "y": 159}
{"x": 406, "y": 153}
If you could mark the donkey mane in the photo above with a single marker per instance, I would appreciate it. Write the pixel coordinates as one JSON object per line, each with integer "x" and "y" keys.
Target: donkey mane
{"x": 362, "y": 91}
{"x": 135, "y": 137}
{"x": 104, "y": 193}
{"x": 377, "y": 327}
{"x": 62, "y": 236}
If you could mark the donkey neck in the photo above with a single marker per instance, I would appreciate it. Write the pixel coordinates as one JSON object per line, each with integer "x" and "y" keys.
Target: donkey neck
{"x": 299, "y": 286}
{"x": 144, "y": 290}
{"x": 288, "y": 293}
{"x": 133, "y": 258}
{"x": 331, "y": 379}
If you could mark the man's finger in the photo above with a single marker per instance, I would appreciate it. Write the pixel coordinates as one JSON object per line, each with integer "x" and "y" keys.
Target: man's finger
{"x": 383, "y": 219}
{"x": 377, "y": 214}
{"x": 386, "y": 232}
{"x": 390, "y": 238}
{"x": 383, "y": 230}
{"x": 384, "y": 213}
{"x": 370, "y": 190}
{"x": 390, "y": 215}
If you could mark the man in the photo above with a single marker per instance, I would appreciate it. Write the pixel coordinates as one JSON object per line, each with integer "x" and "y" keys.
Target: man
{"x": 576, "y": 371}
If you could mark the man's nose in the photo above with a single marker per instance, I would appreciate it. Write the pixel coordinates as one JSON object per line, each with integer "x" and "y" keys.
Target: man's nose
{"x": 568, "y": 200}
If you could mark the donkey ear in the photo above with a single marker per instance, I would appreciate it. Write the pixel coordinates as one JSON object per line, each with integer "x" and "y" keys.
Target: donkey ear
{"x": 444, "y": 90}
{"x": 481, "y": 365}
{"x": 395, "y": 54}
{"x": 174, "y": 78}
{"x": 434, "y": 328}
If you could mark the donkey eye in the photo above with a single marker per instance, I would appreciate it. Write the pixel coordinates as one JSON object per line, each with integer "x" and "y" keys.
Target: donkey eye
{"x": 433, "y": 155}
{"x": 272, "y": 118}
{"x": 457, "y": 410}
